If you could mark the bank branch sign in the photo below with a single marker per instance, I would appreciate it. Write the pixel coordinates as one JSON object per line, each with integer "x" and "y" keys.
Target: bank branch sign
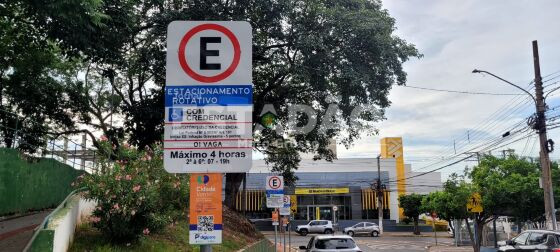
{"x": 208, "y": 97}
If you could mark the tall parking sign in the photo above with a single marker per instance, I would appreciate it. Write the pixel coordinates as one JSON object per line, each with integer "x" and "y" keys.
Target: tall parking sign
{"x": 208, "y": 97}
{"x": 208, "y": 114}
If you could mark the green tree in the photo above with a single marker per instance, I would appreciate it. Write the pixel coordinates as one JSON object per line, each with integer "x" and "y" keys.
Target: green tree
{"x": 412, "y": 206}
{"x": 449, "y": 204}
{"x": 34, "y": 71}
{"x": 318, "y": 53}
{"x": 508, "y": 187}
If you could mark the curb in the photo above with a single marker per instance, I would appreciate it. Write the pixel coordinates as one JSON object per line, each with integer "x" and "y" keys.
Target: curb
{"x": 15, "y": 216}
{"x": 15, "y": 232}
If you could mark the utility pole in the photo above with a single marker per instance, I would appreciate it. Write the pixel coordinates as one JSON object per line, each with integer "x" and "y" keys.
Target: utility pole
{"x": 540, "y": 126}
{"x": 379, "y": 196}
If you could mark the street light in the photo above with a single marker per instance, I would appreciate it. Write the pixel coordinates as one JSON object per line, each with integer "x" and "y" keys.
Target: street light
{"x": 540, "y": 126}
{"x": 504, "y": 80}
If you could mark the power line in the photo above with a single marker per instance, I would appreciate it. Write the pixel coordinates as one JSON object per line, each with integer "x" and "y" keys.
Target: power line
{"x": 496, "y": 117}
{"x": 459, "y": 92}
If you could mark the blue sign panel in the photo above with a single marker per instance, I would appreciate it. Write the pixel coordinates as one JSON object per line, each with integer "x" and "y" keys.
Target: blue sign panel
{"x": 209, "y": 95}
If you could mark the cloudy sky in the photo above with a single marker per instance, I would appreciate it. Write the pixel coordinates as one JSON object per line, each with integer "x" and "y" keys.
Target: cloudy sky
{"x": 456, "y": 37}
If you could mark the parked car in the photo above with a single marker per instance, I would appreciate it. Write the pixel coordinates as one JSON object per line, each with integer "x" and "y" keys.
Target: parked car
{"x": 323, "y": 243}
{"x": 367, "y": 228}
{"x": 532, "y": 240}
{"x": 316, "y": 226}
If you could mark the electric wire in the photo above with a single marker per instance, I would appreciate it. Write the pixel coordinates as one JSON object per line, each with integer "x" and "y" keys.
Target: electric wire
{"x": 459, "y": 92}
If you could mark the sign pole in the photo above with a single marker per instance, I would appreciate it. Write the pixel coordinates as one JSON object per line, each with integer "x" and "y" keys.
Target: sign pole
{"x": 290, "y": 232}
{"x": 434, "y": 225}
{"x": 283, "y": 229}
{"x": 205, "y": 248}
{"x": 275, "y": 238}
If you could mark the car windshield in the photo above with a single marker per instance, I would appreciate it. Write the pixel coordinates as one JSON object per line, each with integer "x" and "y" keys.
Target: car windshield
{"x": 335, "y": 243}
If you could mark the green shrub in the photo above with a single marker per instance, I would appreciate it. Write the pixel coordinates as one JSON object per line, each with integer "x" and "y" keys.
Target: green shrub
{"x": 135, "y": 195}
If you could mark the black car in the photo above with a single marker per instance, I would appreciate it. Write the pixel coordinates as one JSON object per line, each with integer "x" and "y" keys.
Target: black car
{"x": 533, "y": 240}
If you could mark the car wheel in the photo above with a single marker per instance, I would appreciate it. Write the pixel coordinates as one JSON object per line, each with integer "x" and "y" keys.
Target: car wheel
{"x": 303, "y": 232}
{"x": 328, "y": 231}
{"x": 374, "y": 233}
{"x": 350, "y": 233}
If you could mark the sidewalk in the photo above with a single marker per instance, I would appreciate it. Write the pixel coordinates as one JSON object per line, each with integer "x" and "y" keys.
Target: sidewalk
{"x": 16, "y": 232}
{"x": 385, "y": 234}
{"x": 457, "y": 249}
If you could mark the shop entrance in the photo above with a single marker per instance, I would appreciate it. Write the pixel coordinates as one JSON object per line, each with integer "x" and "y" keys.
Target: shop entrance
{"x": 322, "y": 212}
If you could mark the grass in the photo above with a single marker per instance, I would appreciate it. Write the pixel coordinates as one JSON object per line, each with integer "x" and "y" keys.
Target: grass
{"x": 174, "y": 238}
{"x": 32, "y": 185}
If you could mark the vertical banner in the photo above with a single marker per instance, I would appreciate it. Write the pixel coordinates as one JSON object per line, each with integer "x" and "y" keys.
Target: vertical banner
{"x": 205, "y": 208}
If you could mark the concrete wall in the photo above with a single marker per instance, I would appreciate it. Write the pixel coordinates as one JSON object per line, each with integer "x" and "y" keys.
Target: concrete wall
{"x": 58, "y": 233}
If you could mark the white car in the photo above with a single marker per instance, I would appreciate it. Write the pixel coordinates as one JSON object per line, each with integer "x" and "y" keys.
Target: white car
{"x": 331, "y": 243}
{"x": 367, "y": 228}
{"x": 316, "y": 226}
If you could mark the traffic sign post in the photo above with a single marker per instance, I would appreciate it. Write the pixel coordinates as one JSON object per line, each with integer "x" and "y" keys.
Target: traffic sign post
{"x": 208, "y": 97}
{"x": 275, "y": 221}
{"x": 208, "y": 114}
{"x": 285, "y": 210}
{"x": 474, "y": 205}
{"x": 434, "y": 216}
{"x": 274, "y": 191}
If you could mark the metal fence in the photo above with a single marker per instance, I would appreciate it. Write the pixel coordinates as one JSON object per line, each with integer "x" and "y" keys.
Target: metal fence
{"x": 63, "y": 149}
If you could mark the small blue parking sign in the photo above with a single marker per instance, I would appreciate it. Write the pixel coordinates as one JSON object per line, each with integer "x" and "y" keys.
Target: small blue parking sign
{"x": 175, "y": 114}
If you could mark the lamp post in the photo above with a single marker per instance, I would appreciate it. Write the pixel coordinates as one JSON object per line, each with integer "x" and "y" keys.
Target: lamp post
{"x": 540, "y": 126}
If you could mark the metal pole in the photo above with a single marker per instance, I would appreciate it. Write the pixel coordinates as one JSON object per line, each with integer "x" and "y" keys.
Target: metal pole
{"x": 275, "y": 238}
{"x": 244, "y": 195}
{"x": 495, "y": 233}
{"x": 14, "y": 140}
{"x": 541, "y": 130}
{"x": 290, "y": 232}
{"x": 74, "y": 156}
{"x": 83, "y": 160}
{"x": 475, "y": 230}
{"x": 205, "y": 248}
{"x": 65, "y": 153}
{"x": 435, "y": 231}
{"x": 379, "y": 196}
{"x": 283, "y": 229}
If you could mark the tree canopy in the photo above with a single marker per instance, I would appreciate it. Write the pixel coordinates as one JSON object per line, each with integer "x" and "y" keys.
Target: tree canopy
{"x": 412, "y": 208}
{"x": 331, "y": 55}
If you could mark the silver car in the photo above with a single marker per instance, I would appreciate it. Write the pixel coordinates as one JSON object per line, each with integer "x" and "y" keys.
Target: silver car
{"x": 331, "y": 243}
{"x": 367, "y": 228}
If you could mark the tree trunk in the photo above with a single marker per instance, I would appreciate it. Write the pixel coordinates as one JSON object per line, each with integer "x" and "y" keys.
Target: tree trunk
{"x": 451, "y": 227}
{"x": 233, "y": 181}
{"x": 416, "y": 231}
{"x": 471, "y": 234}
{"x": 479, "y": 226}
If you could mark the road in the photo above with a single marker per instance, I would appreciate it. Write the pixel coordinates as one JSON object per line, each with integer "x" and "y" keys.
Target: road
{"x": 379, "y": 244}
{"x": 16, "y": 232}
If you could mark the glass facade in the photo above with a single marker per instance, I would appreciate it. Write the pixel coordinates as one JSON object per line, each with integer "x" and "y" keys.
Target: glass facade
{"x": 317, "y": 194}
{"x": 320, "y": 206}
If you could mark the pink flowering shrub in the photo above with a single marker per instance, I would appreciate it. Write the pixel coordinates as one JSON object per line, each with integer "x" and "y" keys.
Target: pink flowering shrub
{"x": 135, "y": 196}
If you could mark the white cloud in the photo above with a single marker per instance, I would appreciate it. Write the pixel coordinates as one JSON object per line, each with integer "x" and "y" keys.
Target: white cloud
{"x": 456, "y": 37}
